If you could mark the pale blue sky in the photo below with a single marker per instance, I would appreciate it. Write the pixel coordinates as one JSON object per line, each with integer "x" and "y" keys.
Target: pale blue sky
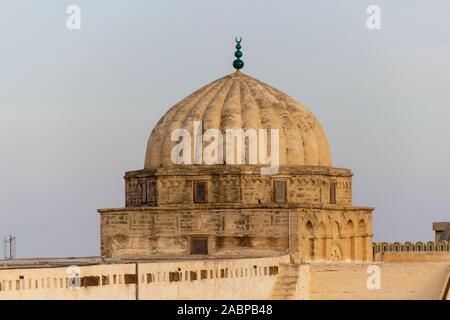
{"x": 76, "y": 107}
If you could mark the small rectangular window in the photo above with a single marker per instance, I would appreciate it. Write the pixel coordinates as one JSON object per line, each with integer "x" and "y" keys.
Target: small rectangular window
{"x": 333, "y": 192}
{"x": 105, "y": 280}
{"x": 144, "y": 193}
{"x": 193, "y": 275}
{"x": 174, "y": 276}
{"x": 90, "y": 281}
{"x": 280, "y": 191}
{"x": 200, "y": 192}
{"x": 199, "y": 246}
{"x": 152, "y": 195}
{"x": 130, "y": 278}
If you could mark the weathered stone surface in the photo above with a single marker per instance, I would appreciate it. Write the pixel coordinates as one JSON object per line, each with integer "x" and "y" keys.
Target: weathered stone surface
{"x": 307, "y": 232}
{"x": 240, "y": 101}
{"x": 312, "y": 216}
{"x": 239, "y": 184}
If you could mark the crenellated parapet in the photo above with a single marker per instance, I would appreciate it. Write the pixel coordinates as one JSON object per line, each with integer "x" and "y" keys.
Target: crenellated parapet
{"x": 409, "y": 246}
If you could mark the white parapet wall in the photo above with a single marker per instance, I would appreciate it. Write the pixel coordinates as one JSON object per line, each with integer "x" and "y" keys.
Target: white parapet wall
{"x": 52, "y": 283}
{"x": 227, "y": 278}
{"x": 249, "y": 278}
{"x": 210, "y": 279}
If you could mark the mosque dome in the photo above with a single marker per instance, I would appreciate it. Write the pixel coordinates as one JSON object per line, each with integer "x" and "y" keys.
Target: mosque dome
{"x": 240, "y": 101}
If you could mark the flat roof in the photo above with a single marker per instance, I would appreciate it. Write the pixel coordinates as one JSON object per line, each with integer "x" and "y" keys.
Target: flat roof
{"x": 87, "y": 261}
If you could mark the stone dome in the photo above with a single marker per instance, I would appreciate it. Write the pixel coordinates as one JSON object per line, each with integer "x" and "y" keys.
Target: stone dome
{"x": 240, "y": 101}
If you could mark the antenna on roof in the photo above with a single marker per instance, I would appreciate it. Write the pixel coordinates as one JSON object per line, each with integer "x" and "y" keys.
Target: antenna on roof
{"x": 9, "y": 248}
{"x": 5, "y": 253}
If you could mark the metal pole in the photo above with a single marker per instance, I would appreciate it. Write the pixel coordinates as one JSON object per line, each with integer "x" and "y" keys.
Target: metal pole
{"x": 13, "y": 248}
{"x": 10, "y": 248}
{"x": 137, "y": 281}
{"x": 5, "y": 249}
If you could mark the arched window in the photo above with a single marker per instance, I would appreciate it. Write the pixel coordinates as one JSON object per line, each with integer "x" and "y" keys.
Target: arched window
{"x": 362, "y": 234}
{"x": 351, "y": 239}
{"x": 322, "y": 240}
{"x": 336, "y": 230}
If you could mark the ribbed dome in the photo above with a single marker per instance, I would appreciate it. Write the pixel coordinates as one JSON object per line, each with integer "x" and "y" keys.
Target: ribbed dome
{"x": 240, "y": 101}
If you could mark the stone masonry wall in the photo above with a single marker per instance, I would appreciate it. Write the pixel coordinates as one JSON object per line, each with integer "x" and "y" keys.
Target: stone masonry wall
{"x": 322, "y": 233}
{"x": 334, "y": 234}
{"x": 131, "y": 233}
{"x": 174, "y": 187}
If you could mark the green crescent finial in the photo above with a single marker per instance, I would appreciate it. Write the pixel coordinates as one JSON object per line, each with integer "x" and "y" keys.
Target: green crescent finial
{"x": 238, "y": 63}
